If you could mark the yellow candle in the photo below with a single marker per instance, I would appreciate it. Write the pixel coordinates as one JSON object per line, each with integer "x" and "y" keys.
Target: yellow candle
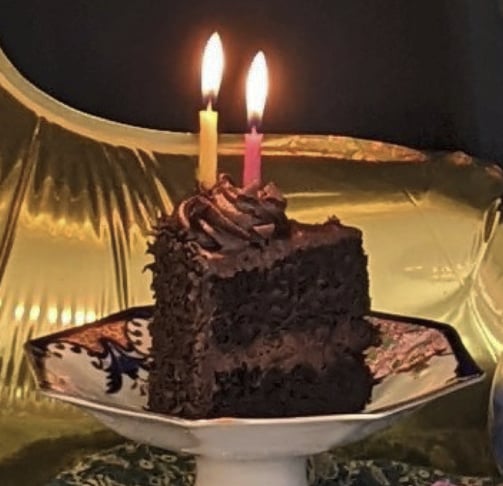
{"x": 211, "y": 77}
{"x": 208, "y": 137}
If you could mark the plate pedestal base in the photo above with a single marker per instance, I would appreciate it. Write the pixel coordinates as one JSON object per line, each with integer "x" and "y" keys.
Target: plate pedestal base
{"x": 283, "y": 471}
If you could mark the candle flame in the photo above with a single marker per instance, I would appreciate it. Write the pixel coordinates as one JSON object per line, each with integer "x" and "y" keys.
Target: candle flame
{"x": 212, "y": 68}
{"x": 256, "y": 88}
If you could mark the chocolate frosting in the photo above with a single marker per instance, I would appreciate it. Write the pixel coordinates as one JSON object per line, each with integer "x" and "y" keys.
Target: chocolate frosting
{"x": 227, "y": 218}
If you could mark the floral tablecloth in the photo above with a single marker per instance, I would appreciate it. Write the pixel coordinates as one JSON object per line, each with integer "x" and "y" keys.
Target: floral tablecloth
{"x": 132, "y": 464}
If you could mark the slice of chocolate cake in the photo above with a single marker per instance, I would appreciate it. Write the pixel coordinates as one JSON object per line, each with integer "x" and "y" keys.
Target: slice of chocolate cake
{"x": 257, "y": 315}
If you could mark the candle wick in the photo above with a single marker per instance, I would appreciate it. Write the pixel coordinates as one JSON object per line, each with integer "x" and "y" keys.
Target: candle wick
{"x": 254, "y": 130}
{"x": 209, "y": 106}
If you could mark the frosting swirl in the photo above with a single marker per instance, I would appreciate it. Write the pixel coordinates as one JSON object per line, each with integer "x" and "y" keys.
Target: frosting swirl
{"x": 227, "y": 218}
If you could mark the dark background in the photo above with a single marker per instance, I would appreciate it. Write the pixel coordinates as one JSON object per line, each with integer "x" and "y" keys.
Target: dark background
{"x": 423, "y": 73}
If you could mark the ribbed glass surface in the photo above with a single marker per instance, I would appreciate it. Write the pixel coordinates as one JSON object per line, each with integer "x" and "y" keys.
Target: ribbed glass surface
{"x": 78, "y": 196}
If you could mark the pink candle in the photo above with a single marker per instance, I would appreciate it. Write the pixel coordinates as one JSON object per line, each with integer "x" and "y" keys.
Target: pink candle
{"x": 253, "y": 163}
{"x": 256, "y": 94}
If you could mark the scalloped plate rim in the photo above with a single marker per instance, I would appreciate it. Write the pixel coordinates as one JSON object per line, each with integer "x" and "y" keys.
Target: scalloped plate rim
{"x": 471, "y": 375}
{"x": 95, "y": 405}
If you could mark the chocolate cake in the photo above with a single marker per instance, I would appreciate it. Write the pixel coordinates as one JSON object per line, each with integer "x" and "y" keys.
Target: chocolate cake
{"x": 257, "y": 315}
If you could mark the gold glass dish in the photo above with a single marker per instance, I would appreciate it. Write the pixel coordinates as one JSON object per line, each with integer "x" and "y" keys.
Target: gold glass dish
{"x": 78, "y": 195}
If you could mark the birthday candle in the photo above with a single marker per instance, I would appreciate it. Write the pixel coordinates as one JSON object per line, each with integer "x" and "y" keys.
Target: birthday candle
{"x": 256, "y": 94}
{"x": 211, "y": 77}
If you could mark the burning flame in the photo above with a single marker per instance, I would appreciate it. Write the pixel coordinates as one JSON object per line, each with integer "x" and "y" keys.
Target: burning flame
{"x": 212, "y": 68}
{"x": 256, "y": 88}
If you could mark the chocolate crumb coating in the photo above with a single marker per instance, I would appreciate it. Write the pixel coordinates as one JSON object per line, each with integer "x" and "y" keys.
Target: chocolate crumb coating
{"x": 257, "y": 315}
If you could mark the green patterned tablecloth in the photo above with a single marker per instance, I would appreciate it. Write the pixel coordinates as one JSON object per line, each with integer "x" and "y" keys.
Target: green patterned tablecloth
{"x": 132, "y": 464}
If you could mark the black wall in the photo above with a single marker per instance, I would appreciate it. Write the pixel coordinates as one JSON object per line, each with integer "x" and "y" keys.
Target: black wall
{"x": 423, "y": 73}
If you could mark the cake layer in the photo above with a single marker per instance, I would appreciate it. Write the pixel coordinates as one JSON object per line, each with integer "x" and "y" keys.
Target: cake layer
{"x": 301, "y": 237}
{"x": 315, "y": 287}
{"x": 211, "y": 371}
{"x": 342, "y": 388}
{"x": 317, "y": 348}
